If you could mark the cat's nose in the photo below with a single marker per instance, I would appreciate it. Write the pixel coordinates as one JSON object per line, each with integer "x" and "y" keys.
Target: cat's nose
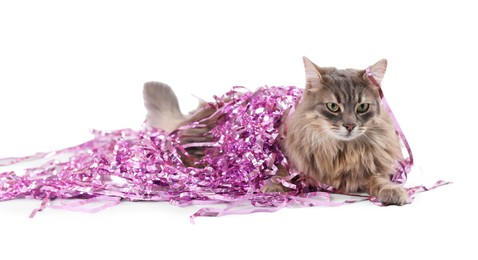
{"x": 349, "y": 127}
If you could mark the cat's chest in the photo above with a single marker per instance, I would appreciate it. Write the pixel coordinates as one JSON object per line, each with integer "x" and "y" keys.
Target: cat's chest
{"x": 346, "y": 158}
{"x": 346, "y": 169}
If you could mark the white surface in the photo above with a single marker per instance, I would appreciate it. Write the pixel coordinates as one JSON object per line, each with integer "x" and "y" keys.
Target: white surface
{"x": 66, "y": 68}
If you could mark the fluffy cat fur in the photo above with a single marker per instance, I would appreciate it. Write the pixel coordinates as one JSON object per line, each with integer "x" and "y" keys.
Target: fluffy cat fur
{"x": 339, "y": 134}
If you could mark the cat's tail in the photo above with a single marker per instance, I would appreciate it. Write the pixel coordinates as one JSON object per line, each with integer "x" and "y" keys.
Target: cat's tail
{"x": 163, "y": 106}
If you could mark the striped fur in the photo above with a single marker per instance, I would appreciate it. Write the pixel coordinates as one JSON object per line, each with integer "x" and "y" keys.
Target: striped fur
{"x": 319, "y": 144}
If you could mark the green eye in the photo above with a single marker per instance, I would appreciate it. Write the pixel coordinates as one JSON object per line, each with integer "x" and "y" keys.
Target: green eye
{"x": 362, "y": 108}
{"x": 333, "y": 107}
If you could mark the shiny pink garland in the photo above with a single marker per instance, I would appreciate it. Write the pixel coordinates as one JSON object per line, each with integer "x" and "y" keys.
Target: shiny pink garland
{"x": 146, "y": 164}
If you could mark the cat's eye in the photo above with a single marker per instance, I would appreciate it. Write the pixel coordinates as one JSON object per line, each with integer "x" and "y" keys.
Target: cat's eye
{"x": 362, "y": 108}
{"x": 333, "y": 107}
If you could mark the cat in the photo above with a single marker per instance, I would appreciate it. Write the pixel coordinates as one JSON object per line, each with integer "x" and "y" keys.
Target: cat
{"x": 339, "y": 134}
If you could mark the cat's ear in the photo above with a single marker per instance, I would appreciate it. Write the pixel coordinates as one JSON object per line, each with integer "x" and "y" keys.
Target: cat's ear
{"x": 312, "y": 74}
{"x": 377, "y": 70}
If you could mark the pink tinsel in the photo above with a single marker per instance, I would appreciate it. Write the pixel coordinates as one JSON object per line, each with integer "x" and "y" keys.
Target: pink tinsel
{"x": 146, "y": 164}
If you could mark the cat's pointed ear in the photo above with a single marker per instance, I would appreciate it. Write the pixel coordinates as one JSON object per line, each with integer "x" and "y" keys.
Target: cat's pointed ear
{"x": 312, "y": 74}
{"x": 377, "y": 70}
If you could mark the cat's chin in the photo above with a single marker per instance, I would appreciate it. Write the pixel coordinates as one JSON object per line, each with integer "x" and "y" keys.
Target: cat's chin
{"x": 346, "y": 137}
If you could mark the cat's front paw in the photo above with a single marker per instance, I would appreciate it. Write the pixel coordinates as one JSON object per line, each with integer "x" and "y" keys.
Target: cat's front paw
{"x": 393, "y": 195}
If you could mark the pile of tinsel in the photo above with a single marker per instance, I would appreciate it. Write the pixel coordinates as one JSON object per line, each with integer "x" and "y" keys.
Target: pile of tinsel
{"x": 146, "y": 165}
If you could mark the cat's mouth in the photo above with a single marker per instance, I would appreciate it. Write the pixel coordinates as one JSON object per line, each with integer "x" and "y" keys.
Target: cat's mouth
{"x": 347, "y": 135}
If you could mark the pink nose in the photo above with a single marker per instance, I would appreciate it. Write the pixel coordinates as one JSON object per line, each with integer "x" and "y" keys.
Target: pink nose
{"x": 349, "y": 127}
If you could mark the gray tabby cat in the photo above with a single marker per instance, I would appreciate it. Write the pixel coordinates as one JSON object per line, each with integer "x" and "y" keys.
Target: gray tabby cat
{"x": 339, "y": 134}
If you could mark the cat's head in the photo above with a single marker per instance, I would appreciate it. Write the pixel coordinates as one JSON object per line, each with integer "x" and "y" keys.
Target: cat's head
{"x": 343, "y": 102}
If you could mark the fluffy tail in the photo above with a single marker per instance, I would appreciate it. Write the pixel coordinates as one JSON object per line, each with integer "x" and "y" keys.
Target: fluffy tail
{"x": 163, "y": 106}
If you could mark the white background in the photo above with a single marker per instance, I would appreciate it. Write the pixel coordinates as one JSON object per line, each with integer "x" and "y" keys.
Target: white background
{"x": 66, "y": 68}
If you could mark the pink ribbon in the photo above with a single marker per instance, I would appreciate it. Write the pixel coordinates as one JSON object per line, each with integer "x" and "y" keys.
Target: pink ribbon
{"x": 408, "y": 162}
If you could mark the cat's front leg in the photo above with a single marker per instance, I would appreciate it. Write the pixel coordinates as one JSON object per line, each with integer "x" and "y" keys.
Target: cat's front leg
{"x": 387, "y": 192}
